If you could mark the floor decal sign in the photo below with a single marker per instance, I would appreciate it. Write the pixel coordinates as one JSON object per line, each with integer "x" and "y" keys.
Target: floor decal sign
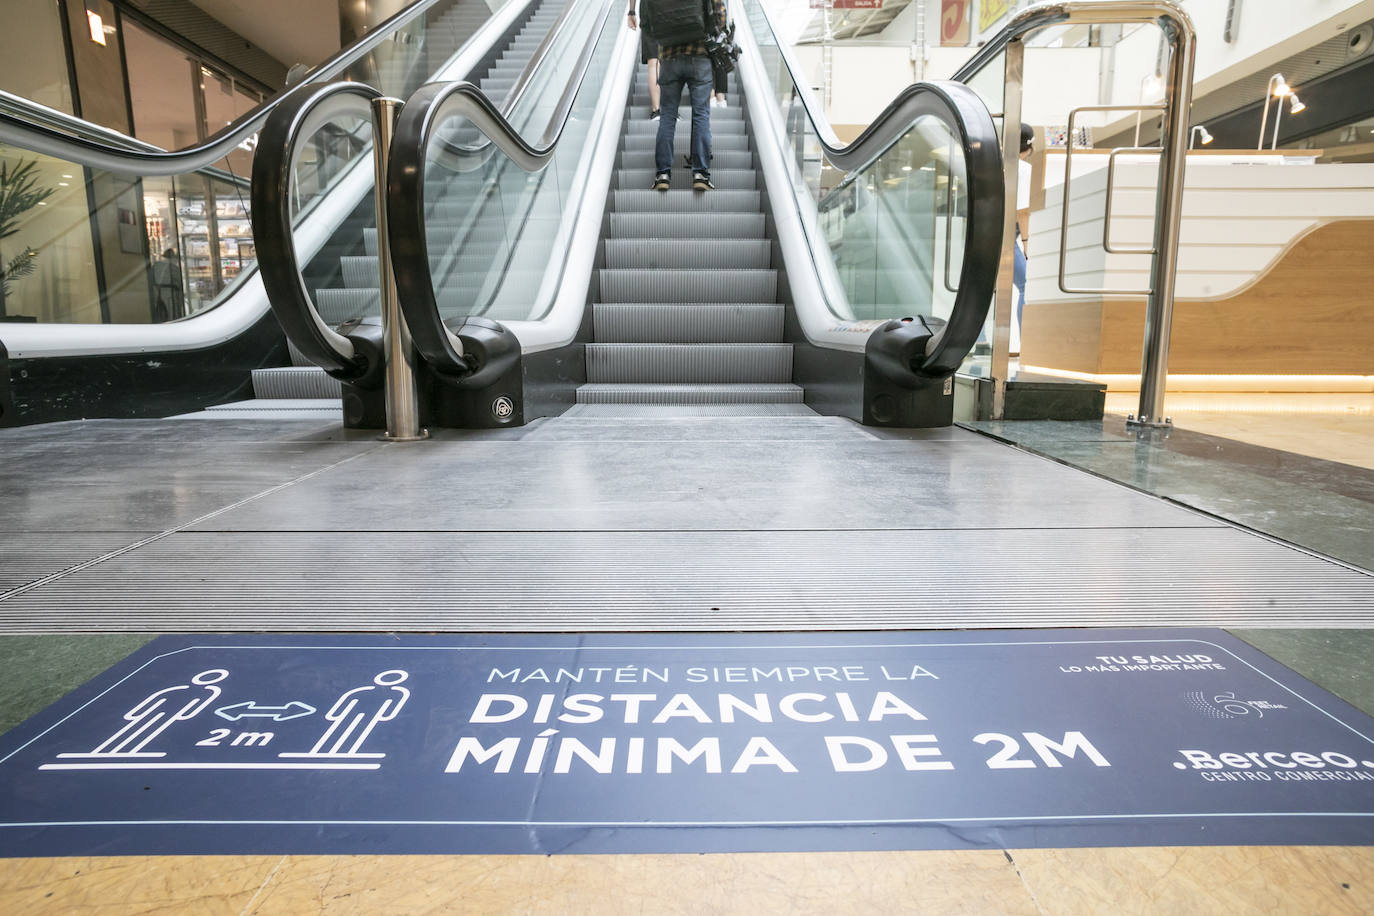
{"x": 687, "y": 743}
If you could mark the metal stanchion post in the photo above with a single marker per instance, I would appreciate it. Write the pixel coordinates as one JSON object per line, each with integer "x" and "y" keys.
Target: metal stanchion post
{"x": 1011, "y": 152}
{"x": 402, "y": 401}
{"x": 1173, "y": 142}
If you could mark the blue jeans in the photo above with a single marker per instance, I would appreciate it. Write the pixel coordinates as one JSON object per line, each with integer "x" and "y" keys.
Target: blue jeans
{"x": 673, "y": 74}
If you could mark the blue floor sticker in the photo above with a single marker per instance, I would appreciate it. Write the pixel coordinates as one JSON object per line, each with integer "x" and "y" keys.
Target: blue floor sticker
{"x": 687, "y": 743}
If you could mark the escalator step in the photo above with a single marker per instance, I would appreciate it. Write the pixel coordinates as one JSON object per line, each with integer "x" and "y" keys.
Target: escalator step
{"x": 689, "y": 394}
{"x": 639, "y": 114}
{"x": 646, "y": 201}
{"x": 360, "y": 271}
{"x": 699, "y": 253}
{"x": 677, "y": 285}
{"x": 719, "y": 128}
{"x": 295, "y": 382}
{"x": 666, "y": 363}
{"x": 682, "y": 141}
{"x": 722, "y": 322}
{"x": 339, "y": 305}
{"x": 720, "y": 159}
{"x": 723, "y": 179}
{"x": 686, "y": 225}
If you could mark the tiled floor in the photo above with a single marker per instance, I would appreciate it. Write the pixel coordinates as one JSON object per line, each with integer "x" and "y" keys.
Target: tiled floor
{"x": 1332, "y": 427}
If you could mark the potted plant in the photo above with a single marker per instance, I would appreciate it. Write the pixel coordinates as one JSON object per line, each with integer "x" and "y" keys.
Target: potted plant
{"x": 19, "y": 193}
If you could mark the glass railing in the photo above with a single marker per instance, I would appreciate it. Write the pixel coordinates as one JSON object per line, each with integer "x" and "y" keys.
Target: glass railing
{"x": 492, "y": 228}
{"x": 889, "y": 234}
{"x": 86, "y": 245}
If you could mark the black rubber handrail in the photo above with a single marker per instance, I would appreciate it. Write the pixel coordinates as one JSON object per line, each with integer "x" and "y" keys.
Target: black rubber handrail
{"x": 973, "y": 128}
{"x": 41, "y": 129}
{"x": 426, "y": 109}
{"x": 273, "y": 171}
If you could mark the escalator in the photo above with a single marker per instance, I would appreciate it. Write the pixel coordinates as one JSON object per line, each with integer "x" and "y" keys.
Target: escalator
{"x": 595, "y": 296}
{"x": 539, "y": 276}
{"x": 133, "y": 363}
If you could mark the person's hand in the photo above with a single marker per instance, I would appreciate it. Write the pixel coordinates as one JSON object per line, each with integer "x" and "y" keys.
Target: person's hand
{"x": 634, "y": 23}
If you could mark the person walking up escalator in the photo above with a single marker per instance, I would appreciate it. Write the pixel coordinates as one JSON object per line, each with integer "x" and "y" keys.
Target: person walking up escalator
{"x": 682, "y": 28}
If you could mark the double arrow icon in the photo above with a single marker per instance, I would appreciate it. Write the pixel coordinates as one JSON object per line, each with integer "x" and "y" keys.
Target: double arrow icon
{"x": 293, "y": 710}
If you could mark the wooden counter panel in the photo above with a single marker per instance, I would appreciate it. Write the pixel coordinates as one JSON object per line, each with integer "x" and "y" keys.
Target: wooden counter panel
{"x": 1311, "y": 313}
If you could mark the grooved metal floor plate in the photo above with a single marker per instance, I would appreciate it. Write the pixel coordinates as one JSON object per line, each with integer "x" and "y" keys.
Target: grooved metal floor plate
{"x": 602, "y": 523}
{"x": 27, "y": 557}
{"x": 717, "y": 580}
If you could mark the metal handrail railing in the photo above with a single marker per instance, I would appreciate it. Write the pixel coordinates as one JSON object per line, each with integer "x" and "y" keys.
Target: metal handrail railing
{"x": 1107, "y": 209}
{"x": 1179, "y": 32}
{"x": 45, "y": 130}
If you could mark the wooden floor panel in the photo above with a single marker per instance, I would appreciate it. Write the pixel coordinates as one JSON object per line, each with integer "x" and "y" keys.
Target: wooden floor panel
{"x": 1190, "y": 880}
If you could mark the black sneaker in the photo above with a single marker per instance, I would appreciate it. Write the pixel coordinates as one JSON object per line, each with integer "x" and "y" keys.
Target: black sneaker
{"x": 662, "y": 181}
{"x": 702, "y": 182}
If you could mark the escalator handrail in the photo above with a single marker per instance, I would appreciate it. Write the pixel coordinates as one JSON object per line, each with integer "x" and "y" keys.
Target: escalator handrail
{"x": 406, "y": 182}
{"x": 959, "y": 107}
{"x": 273, "y": 171}
{"x": 45, "y": 130}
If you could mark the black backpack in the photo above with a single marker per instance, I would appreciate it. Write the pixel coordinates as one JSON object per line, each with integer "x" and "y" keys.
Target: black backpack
{"x": 678, "y": 22}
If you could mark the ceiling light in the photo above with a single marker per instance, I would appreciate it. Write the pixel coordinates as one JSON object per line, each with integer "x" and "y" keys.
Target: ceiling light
{"x": 1294, "y": 105}
{"x": 906, "y": 168}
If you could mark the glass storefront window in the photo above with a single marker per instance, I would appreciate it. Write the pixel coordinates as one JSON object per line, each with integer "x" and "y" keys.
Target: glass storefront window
{"x": 33, "y": 58}
{"x": 160, "y": 88}
{"x": 58, "y": 281}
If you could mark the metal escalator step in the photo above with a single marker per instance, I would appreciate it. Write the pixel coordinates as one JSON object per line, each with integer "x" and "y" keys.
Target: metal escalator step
{"x": 678, "y": 285}
{"x": 612, "y": 393}
{"x": 370, "y": 241}
{"x": 360, "y": 271}
{"x": 635, "y": 128}
{"x": 639, "y": 101}
{"x": 659, "y": 412}
{"x": 720, "y": 159}
{"x": 714, "y": 363}
{"x": 646, "y": 201}
{"x": 682, "y": 141}
{"x": 702, "y": 253}
{"x": 686, "y": 225}
{"x": 723, "y": 179}
{"x": 295, "y": 382}
{"x": 339, "y": 305}
{"x": 720, "y": 322}
{"x": 640, "y": 114}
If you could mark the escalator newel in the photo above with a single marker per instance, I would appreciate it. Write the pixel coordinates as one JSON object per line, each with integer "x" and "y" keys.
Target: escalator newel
{"x": 896, "y": 393}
